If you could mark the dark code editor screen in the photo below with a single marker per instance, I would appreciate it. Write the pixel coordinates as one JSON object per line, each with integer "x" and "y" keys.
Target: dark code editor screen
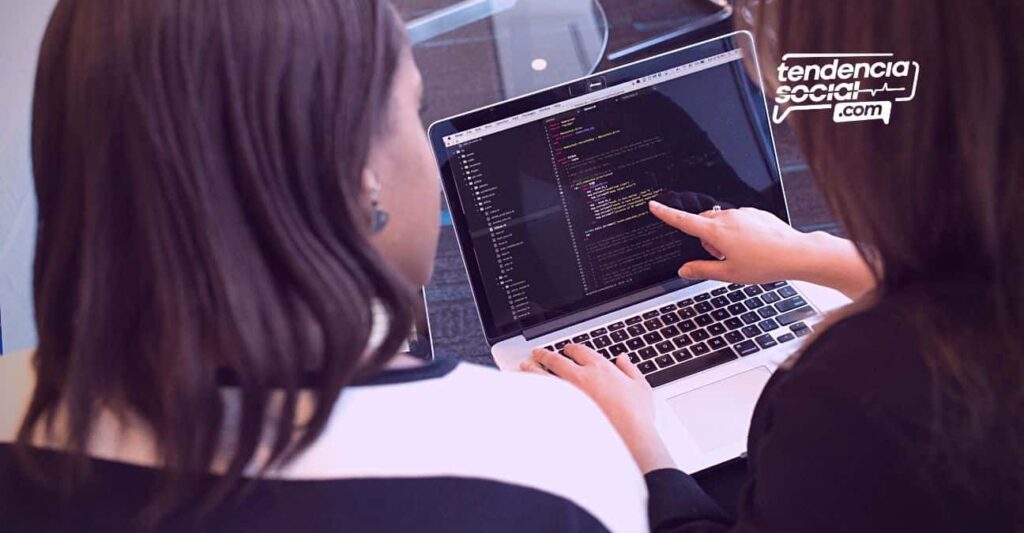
{"x": 557, "y": 208}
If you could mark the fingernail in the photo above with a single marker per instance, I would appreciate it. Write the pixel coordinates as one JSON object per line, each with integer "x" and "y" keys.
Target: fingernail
{"x": 654, "y": 204}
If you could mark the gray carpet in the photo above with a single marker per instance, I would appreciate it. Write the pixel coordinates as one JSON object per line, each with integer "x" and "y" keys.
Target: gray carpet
{"x": 450, "y": 90}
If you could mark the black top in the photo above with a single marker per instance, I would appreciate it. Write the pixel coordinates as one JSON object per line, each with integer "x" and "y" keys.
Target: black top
{"x": 837, "y": 442}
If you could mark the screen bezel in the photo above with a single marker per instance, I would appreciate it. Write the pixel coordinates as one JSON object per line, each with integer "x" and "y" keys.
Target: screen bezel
{"x": 609, "y": 78}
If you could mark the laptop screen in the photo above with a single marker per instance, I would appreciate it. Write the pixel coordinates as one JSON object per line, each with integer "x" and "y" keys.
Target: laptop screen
{"x": 553, "y": 201}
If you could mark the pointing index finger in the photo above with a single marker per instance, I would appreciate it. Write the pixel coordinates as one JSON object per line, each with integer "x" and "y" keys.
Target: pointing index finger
{"x": 688, "y": 223}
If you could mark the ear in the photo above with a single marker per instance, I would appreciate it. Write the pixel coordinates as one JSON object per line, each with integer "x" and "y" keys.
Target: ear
{"x": 370, "y": 181}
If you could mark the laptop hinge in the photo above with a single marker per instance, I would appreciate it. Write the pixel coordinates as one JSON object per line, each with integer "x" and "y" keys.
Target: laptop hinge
{"x": 602, "y": 309}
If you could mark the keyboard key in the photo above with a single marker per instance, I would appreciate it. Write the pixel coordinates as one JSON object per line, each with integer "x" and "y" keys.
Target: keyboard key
{"x": 652, "y": 337}
{"x": 599, "y": 331}
{"x": 689, "y": 312}
{"x": 746, "y": 348}
{"x": 796, "y": 315}
{"x": 790, "y": 304}
{"x": 787, "y": 292}
{"x": 733, "y": 323}
{"x": 667, "y": 308}
{"x": 737, "y": 309}
{"x": 682, "y": 355}
{"x": 798, "y": 325}
{"x": 670, "y": 318}
{"x": 734, "y": 336}
{"x": 699, "y": 349}
{"x": 647, "y": 353}
{"x": 765, "y": 341}
{"x": 665, "y": 347}
{"x": 770, "y": 297}
{"x": 720, "y": 314}
{"x": 580, "y": 338}
{"x": 617, "y": 349}
{"x": 717, "y": 343}
{"x": 703, "y": 320}
{"x": 634, "y": 358}
{"x": 588, "y": 344}
{"x": 750, "y": 318}
{"x": 616, "y": 326}
{"x": 720, "y": 301}
{"x": 703, "y": 307}
{"x": 773, "y": 285}
{"x": 602, "y": 342}
{"x": 687, "y": 325}
{"x": 635, "y": 343}
{"x": 653, "y": 324}
{"x": 636, "y": 330}
{"x": 716, "y": 329}
{"x": 753, "y": 303}
{"x": 736, "y": 296}
{"x": 549, "y": 348}
{"x": 786, "y": 338}
{"x": 735, "y": 286}
{"x": 767, "y": 312}
{"x": 684, "y": 303}
{"x": 669, "y": 331}
{"x": 753, "y": 290}
{"x": 650, "y": 314}
{"x": 802, "y": 331}
{"x": 751, "y": 331}
{"x": 605, "y": 353}
{"x": 619, "y": 335}
{"x": 699, "y": 335}
{"x": 719, "y": 291}
{"x": 647, "y": 367}
{"x": 690, "y": 367}
{"x": 768, "y": 325}
{"x": 702, "y": 297}
{"x": 633, "y": 320}
{"x": 561, "y": 344}
{"x": 682, "y": 340}
{"x": 665, "y": 361}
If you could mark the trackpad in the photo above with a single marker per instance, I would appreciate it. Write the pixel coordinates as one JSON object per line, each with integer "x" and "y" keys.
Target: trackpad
{"x": 718, "y": 414}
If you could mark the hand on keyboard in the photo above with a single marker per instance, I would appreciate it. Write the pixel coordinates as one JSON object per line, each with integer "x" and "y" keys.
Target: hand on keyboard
{"x": 619, "y": 389}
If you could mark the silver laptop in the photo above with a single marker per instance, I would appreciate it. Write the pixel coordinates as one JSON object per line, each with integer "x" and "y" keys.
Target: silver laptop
{"x": 548, "y": 195}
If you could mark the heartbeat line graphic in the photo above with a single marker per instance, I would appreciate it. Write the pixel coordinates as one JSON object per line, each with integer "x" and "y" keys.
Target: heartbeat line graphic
{"x": 874, "y": 92}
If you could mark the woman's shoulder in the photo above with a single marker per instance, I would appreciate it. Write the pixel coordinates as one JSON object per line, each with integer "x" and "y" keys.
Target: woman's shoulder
{"x": 476, "y": 422}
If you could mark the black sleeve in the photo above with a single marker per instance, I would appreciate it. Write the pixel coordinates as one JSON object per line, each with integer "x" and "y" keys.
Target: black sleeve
{"x": 820, "y": 459}
{"x": 677, "y": 503}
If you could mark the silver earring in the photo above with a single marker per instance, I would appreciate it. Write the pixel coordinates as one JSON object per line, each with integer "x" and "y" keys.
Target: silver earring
{"x": 379, "y": 218}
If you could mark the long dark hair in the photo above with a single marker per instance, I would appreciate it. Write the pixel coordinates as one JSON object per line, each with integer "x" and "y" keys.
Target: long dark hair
{"x": 935, "y": 195}
{"x": 199, "y": 166}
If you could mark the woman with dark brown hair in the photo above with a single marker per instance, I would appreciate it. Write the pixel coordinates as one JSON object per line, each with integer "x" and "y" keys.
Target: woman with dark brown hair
{"x": 236, "y": 201}
{"x": 907, "y": 412}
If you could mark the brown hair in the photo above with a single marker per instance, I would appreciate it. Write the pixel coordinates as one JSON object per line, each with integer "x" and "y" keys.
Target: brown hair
{"x": 935, "y": 195}
{"x": 199, "y": 166}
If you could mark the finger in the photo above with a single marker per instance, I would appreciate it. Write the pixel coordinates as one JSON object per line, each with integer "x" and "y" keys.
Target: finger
{"x": 533, "y": 367}
{"x": 704, "y": 270}
{"x": 583, "y": 355}
{"x": 628, "y": 367}
{"x": 712, "y": 250}
{"x": 689, "y": 223}
{"x": 560, "y": 366}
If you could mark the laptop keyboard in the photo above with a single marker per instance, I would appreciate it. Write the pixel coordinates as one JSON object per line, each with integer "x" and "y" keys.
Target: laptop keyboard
{"x": 695, "y": 334}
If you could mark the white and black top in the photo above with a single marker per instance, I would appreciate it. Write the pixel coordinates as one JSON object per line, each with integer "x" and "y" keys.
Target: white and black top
{"x": 444, "y": 447}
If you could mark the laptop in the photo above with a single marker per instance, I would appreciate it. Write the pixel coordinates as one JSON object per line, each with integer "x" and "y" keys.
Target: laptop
{"x": 549, "y": 196}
